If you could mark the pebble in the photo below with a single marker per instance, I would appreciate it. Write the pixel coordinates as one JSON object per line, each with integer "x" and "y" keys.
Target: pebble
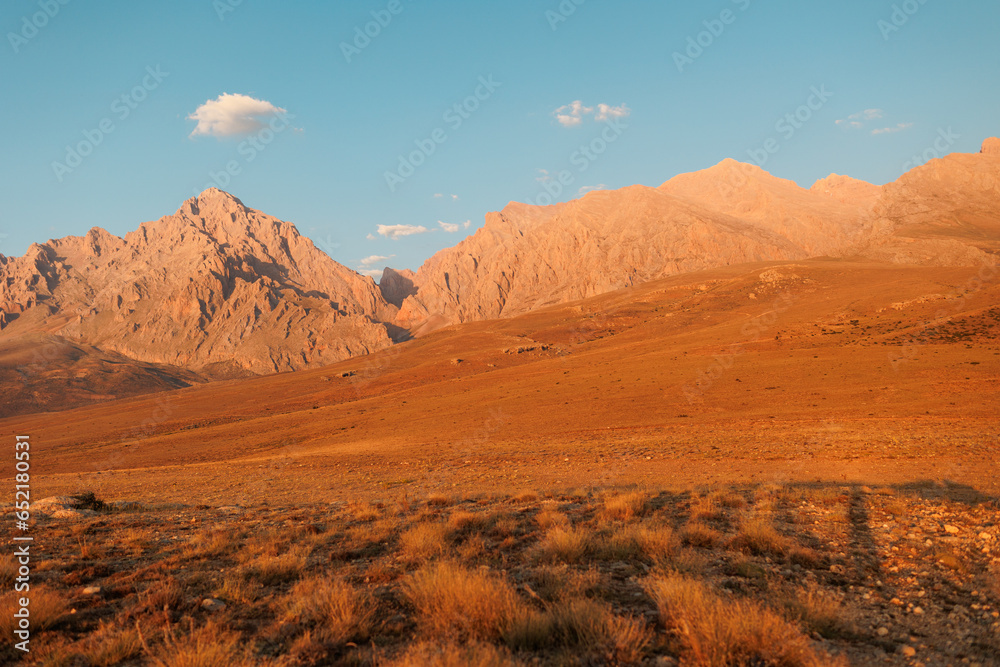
{"x": 951, "y": 529}
{"x": 908, "y": 651}
{"x": 92, "y": 590}
{"x": 212, "y": 604}
{"x": 882, "y": 632}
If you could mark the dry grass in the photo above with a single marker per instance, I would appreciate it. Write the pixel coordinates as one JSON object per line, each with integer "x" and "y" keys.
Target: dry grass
{"x": 454, "y": 602}
{"x": 209, "y": 544}
{"x": 637, "y": 542}
{"x": 758, "y": 536}
{"x": 236, "y": 587}
{"x": 563, "y": 544}
{"x": 110, "y": 646}
{"x": 272, "y": 570}
{"x": 818, "y": 612}
{"x": 697, "y": 534}
{"x": 438, "y": 500}
{"x": 549, "y": 518}
{"x": 625, "y": 506}
{"x": 560, "y": 582}
{"x": 335, "y": 609}
{"x": 47, "y": 609}
{"x": 207, "y": 646}
{"x": 583, "y": 626}
{"x": 717, "y": 632}
{"x": 474, "y": 654}
{"x": 424, "y": 540}
{"x": 8, "y": 571}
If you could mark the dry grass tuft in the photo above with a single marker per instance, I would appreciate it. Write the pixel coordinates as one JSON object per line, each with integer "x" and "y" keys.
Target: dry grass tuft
{"x": 8, "y": 571}
{"x": 335, "y": 609}
{"x": 274, "y": 570}
{"x": 438, "y": 500}
{"x": 110, "y": 646}
{"x": 697, "y": 534}
{"x": 818, "y": 612}
{"x": 638, "y": 542}
{"x": 758, "y": 536}
{"x": 563, "y": 544}
{"x": 625, "y": 506}
{"x": 717, "y": 632}
{"x": 582, "y": 625}
{"x": 549, "y": 518}
{"x": 454, "y": 602}
{"x": 424, "y": 540}
{"x": 47, "y": 609}
{"x": 208, "y": 646}
{"x": 473, "y": 654}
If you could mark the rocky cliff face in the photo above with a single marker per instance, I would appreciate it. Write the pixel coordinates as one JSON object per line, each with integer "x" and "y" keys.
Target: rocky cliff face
{"x": 217, "y": 287}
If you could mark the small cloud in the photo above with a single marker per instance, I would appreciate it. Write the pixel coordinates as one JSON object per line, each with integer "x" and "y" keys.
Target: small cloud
{"x": 448, "y": 227}
{"x": 370, "y": 237}
{"x": 543, "y": 176}
{"x": 467, "y": 224}
{"x": 891, "y": 130}
{"x": 233, "y": 115}
{"x": 395, "y": 232}
{"x": 857, "y": 120}
{"x": 375, "y": 274}
{"x": 574, "y": 113}
{"x": 441, "y": 196}
{"x": 375, "y": 259}
{"x": 589, "y": 188}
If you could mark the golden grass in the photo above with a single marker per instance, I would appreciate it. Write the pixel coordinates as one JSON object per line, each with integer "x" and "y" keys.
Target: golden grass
{"x": 563, "y": 544}
{"x": 697, "y": 534}
{"x": 718, "y": 632}
{"x": 584, "y": 625}
{"x": 758, "y": 536}
{"x": 818, "y": 612}
{"x": 549, "y": 518}
{"x": 560, "y": 582}
{"x": 424, "y": 540}
{"x": 454, "y": 602}
{"x": 625, "y": 506}
{"x": 474, "y": 654}
{"x": 637, "y": 542}
{"x": 438, "y": 500}
{"x": 272, "y": 570}
{"x": 211, "y": 543}
{"x": 208, "y": 646}
{"x": 8, "y": 571}
{"x": 110, "y": 646}
{"x": 334, "y": 608}
{"x": 46, "y": 608}
{"x": 236, "y": 587}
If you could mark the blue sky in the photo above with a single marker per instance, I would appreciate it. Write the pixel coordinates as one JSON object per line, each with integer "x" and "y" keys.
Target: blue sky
{"x": 888, "y": 91}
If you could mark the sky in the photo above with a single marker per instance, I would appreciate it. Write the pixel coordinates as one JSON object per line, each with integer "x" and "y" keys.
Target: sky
{"x": 387, "y": 129}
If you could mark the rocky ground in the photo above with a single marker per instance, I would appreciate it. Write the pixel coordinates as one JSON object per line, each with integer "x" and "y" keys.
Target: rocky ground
{"x": 792, "y": 574}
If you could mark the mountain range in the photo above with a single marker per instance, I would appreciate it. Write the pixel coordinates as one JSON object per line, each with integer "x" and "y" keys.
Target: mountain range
{"x": 219, "y": 290}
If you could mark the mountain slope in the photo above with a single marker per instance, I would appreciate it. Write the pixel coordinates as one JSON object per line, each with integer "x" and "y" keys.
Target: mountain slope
{"x": 217, "y": 288}
{"x": 944, "y": 213}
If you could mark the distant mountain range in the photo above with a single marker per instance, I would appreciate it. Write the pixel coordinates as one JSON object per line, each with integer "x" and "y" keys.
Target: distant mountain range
{"x": 219, "y": 290}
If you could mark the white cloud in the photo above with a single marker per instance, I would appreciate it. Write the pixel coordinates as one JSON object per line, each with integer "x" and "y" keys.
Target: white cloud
{"x": 376, "y": 274}
{"x": 441, "y": 196}
{"x": 375, "y": 259}
{"x": 857, "y": 120}
{"x": 448, "y": 227}
{"x": 467, "y": 224}
{"x": 574, "y": 113}
{"x": 395, "y": 232}
{"x": 370, "y": 237}
{"x": 233, "y": 115}
{"x": 543, "y": 176}
{"x": 588, "y": 188}
{"x": 890, "y": 130}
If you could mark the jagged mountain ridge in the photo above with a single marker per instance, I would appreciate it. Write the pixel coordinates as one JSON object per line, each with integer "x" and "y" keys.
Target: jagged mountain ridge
{"x": 944, "y": 213}
{"x": 216, "y": 287}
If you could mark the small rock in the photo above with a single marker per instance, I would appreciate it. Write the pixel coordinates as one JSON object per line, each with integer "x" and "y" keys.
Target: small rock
{"x": 951, "y": 529}
{"x": 92, "y": 590}
{"x": 212, "y": 604}
{"x": 882, "y": 632}
{"x": 984, "y": 536}
{"x": 908, "y": 651}
{"x": 918, "y": 611}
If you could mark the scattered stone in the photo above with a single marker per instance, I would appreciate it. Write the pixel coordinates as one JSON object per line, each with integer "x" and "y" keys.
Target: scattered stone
{"x": 72, "y": 514}
{"x": 92, "y": 590}
{"x": 212, "y": 605}
{"x": 908, "y": 651}
{"x": 882, "y": 632}
{"x": 951, "y": 529}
